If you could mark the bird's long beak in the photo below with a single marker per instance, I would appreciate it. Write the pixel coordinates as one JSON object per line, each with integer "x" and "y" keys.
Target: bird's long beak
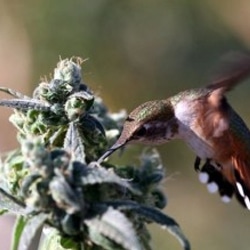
{"x": 110, "y": 151}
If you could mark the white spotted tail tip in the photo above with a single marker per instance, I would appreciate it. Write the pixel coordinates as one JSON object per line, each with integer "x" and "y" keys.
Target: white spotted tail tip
{"x": 210, "y": 175}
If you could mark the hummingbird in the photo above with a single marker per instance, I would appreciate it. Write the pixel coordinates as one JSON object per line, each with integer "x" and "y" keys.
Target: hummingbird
{"x": 207, "y": 123}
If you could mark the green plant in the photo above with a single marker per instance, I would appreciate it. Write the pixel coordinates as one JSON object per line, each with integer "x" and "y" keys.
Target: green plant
{"x": 54, "y": 182}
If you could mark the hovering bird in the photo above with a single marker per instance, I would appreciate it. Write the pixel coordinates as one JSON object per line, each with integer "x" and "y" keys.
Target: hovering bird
{"x": 205, "y": 120}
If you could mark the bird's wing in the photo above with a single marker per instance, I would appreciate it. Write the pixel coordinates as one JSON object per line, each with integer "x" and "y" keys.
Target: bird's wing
{"x": 235, "y": 68}
{"x": 215, "y": 109}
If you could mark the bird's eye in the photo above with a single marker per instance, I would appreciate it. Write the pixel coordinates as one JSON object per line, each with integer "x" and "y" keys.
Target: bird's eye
{"x": 141, "y": 131}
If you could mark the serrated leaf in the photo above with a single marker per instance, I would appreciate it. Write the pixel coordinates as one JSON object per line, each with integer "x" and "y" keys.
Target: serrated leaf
{"x": 32, "y": 226}
{"x": 167, "y": 222}
{"x": 65, "y": 197}
{"x": 74, "y": 144}
{"x": 52, "y": 240}
{"x": 115, "y": 226}
{"x": 96, "y": 174}
{"x": 101, "y": 240}
{"x": 24, "y": 104}
{"x": 9, "y": 202}
{"x": 156, "y": 216}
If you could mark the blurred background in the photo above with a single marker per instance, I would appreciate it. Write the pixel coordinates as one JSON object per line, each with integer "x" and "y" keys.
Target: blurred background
{"x": 138, "y": 51}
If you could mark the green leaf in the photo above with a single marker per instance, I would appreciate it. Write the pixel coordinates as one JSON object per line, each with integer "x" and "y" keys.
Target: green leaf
{"x": 64, "y": 195}
{"x": 101, "y": 240}
{"x": 14, "y": 157}
{"x": 68, "y": 243}
{"x": 115, "y": 226}
{"x": 98, "y": 175}
{"x": 24, "y": 104}
{"x": 11, "y": 203}
{"x": 52, "y": 240}
{"x": 156, "y": 216}
{"x": 18, "y": 230}
{"x": 3, "y": 211}
{"x": 30, "y": 230}
{"x": 167, "y": 222}
{"x": 73, "y": 143}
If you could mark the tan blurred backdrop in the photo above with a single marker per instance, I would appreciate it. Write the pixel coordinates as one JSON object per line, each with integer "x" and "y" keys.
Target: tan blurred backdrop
{"x": 138, "y": 50}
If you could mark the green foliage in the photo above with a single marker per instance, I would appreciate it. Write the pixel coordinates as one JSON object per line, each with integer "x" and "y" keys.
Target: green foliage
{"x": 53, "y": 178}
